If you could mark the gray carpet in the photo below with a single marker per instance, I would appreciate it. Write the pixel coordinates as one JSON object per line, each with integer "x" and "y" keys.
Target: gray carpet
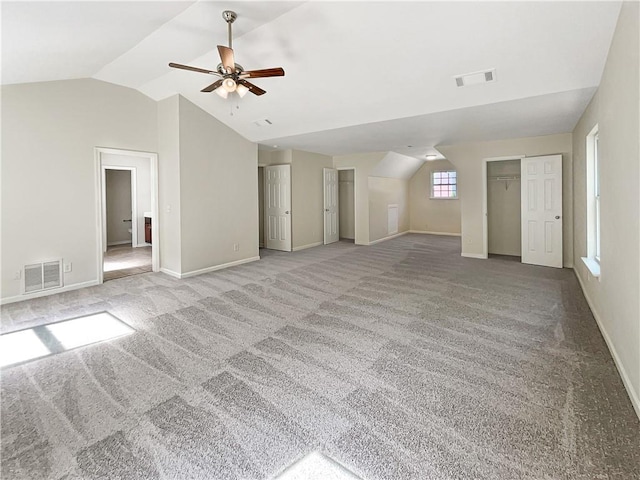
{"x": 399, "y": 361}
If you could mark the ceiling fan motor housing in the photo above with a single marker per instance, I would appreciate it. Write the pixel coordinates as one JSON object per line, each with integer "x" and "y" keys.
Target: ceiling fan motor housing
{"x": 229, "y": 16}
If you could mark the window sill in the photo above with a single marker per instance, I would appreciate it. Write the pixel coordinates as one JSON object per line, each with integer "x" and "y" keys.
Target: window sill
{"x": 443, "y": 198}
{"x": 592, "y": 265}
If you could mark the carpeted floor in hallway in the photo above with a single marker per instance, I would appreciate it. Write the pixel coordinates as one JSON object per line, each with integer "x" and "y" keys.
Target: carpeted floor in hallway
{"x": 401, "y": 360}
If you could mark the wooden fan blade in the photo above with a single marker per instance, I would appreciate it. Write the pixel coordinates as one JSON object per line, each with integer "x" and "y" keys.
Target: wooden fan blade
{"x": 193, "y": 69}
{"x": 267, "y": 72}
{"x": 228, "y": 61}
{"x": 213, "y": 86}
{"x": 252, "y": 88}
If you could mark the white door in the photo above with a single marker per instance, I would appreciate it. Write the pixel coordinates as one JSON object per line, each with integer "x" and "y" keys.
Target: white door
{"x": 541, "y": 183}
{"x": 331, "y": 211}
{"x": 277, "y": 206}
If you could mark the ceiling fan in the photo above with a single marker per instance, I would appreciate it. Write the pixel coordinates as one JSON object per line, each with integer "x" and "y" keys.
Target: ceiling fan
{"x": 232, "y": 77}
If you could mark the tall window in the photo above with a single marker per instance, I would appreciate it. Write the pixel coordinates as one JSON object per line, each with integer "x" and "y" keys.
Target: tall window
{"x": 444, "y": 184}
{"x": 592, "y": 260}
{"x": 596, "y": 194}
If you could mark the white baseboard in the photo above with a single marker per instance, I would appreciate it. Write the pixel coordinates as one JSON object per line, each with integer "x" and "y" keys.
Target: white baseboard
{"x": 121, "y": 242}
{"x": 144, "y": 245}
{"x": 208, "y": 269}
{"x": 384, "y": 239}
{"x": 473, "y": 255}
{"x": 171, "y": 273}
{"x": 633, "y": 395}
{"x": 46, "y": 293}
{"x": 311, "y": 245}
{"x": 436, "y": 233}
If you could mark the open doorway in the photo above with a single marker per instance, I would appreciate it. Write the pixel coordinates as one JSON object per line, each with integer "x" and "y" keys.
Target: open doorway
{"x": 347, "y": 204}
{"x": 504, "y": 208}
{"x": 128, "y": 231}
{"x": 124, "y": 255}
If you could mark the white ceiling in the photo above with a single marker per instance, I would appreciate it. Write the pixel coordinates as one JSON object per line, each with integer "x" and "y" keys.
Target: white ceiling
{"x": 360, "y": 76}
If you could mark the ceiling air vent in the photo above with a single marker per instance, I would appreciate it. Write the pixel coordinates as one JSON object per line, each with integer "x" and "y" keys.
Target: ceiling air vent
{"x": 263, "y": 123}
{"x": 476, "y": 78}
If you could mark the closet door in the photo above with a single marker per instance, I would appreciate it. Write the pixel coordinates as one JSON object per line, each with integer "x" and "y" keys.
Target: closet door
{"x": 277, "y": 206}
{"x": 330, "y": 187}
{"x": 541, "y": 182}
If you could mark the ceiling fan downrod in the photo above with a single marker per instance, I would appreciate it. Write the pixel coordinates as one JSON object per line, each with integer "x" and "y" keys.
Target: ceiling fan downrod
{"x": 229, "y": 17}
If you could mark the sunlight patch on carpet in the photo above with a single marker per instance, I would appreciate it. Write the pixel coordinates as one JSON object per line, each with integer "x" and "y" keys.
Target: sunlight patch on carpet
{"x": 37, "y": 342}
{"x": 316, "y": 466}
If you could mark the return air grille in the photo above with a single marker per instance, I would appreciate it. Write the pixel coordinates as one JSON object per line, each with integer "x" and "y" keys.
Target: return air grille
{"x": 476, "y": 78}
{"x": 42, "y": 276}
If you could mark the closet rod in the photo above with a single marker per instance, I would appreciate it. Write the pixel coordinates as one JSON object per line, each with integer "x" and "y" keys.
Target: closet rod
{"x": 514, "y": 177}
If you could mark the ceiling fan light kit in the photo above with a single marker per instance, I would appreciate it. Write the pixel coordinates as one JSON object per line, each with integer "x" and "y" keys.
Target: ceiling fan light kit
{"x": 232, "y": 77}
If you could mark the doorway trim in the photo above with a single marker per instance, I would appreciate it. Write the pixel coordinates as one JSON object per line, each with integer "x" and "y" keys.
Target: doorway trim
{"x": 134, "y": 205}
{"x": 101, "y": 204}
{"x": 355, "y": 201}
{"x": 485, "y": 207}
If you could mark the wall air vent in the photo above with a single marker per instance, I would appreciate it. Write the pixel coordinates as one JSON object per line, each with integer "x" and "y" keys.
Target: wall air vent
{"x": 476, "y": 78}
{"x": 263, "y": 123}
{"x": 42, "y": 276}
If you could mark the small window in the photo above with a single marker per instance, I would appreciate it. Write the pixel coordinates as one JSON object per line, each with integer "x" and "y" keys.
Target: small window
{"x": 444, "y": 184}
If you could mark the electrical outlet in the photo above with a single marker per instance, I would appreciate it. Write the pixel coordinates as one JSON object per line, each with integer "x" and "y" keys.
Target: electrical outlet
{"x": 67, "y": 267}
{"x": 236, "y": 247}
{"x": 17, "y": 275}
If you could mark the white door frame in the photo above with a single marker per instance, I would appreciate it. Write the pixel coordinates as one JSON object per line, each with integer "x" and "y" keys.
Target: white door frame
{"x": 101, "y": 205}
{"x": 134, "y": 204}
{"x": 485, "y": 207}
{"x": 355, "y": 201}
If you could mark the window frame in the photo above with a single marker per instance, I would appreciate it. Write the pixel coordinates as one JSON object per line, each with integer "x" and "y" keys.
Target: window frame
{"x": 596, "y": 195}
{"x": 455, "y": 185}
{"x": 593, "y": 163}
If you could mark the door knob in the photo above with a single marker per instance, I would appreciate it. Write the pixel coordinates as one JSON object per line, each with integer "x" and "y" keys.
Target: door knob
{"x": 557, "y": 217}
{"x": 326, "y": 209}
{"x": 287, "y": 212}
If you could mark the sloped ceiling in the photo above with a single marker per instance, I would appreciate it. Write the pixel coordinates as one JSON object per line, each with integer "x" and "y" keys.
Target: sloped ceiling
{"x": 360, "y": 76}
{"x": 395, "y": 165}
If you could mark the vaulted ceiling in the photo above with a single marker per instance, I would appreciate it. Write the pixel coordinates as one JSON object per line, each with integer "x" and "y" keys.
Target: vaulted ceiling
{"x": 360, "y": 76}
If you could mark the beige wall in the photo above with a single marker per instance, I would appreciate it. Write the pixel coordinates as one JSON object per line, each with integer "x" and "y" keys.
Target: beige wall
{"x": 468, "y": 160}
{"x": 218, "y": 192}
{"x": 503, "y": 208}
{"x": 346, "y": 192}
{"x": 276, "y": 157}
{"x": 429, "y": 215}
{"x": 382, "y": 193}
{"x": 169, "y": 184}
{"x": 307, "y": 198}
{"x": 49, "y": 131}
{"x": 363, "y": 163}
{"x": 615, "y": 296}
{"x": 118, "y": 206}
